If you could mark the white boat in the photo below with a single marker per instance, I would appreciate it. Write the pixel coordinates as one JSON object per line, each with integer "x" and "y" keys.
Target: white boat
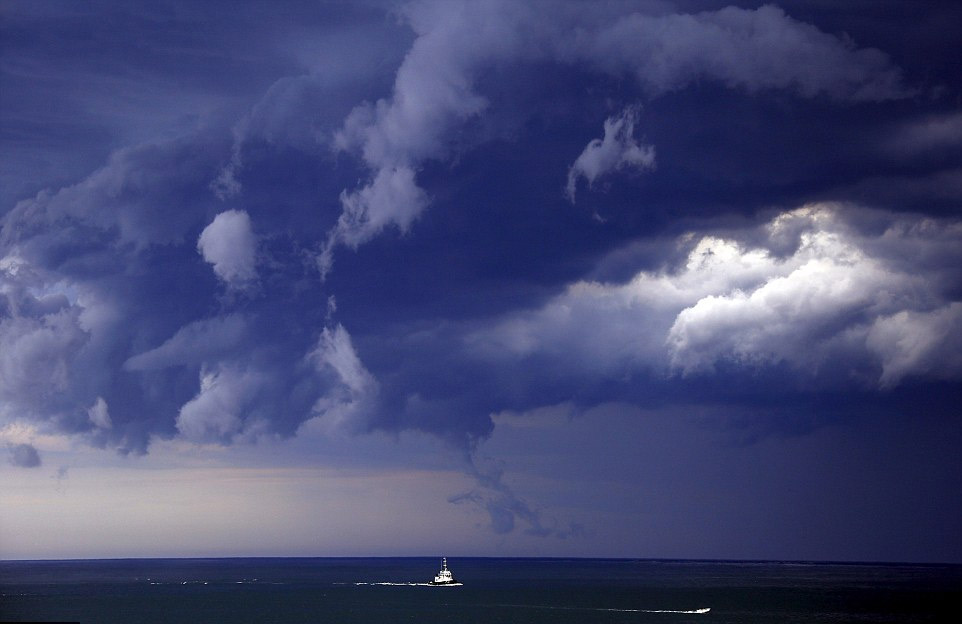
{"x": 444, "y": 577}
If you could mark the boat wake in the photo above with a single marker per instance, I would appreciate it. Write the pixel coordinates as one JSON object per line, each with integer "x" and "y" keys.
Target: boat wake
{"x": 693, "y": 611}
{"x": 687, "y": 612}
{"x": 411, "y": 584}
{"x": 218, "y": 582}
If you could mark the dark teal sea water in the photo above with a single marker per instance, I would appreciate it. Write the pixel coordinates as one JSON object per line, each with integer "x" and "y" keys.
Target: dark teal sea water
{"x": 374, "y": 591}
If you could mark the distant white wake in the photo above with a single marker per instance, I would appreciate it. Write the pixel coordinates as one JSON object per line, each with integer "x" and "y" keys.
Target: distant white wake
{"x": 521, "y": 606}
{"x": 692, "y": 611}
{"x": 705, "y": 610}
{"x": 411, "y": 584}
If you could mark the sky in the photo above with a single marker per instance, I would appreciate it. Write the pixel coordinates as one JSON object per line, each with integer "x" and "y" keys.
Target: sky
{"x": 599, "y": 279}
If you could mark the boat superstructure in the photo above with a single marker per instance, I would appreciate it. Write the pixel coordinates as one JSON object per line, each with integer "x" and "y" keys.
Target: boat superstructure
{"x": 444, "y": 577}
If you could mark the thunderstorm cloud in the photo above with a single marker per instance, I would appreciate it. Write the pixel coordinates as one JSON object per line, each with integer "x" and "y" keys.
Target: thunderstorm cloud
{"x": 781, "y": 189}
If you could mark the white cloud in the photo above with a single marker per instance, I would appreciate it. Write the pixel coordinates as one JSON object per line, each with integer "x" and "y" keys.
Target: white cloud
{"x": 218, "y": 412}
{"x": 37, "y": 357}
{"x": 816, "y": 288}
{"x": 433, "y": 93}
{"x": 348, "y": 402}
{"x": 617, "y": 150}
{"x": 56, "y": 336}
{"x": 928, "y": 343}
{"x": 229, "y": 244}
{"x": 792, "y": 316}
{"x": 393, "y": 198}
{"x": 20, "y": 431}
{"x": 434, "y": 87}
{"x": 99, "y": 414}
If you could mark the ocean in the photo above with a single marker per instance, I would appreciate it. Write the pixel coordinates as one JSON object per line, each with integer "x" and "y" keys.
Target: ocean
{"x": 384, "y": 590}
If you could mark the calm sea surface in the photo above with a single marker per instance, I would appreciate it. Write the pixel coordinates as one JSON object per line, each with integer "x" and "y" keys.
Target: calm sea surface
{"x": 373, "y": 591}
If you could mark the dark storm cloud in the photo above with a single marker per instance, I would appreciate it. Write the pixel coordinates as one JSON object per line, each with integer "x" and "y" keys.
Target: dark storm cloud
{"x": 113, "y": 303}
{"x": 434, "y": 92}
{"x": 185, "y": 287}
{"x": 80, "y": 80}
{"x": 117, "y": 318}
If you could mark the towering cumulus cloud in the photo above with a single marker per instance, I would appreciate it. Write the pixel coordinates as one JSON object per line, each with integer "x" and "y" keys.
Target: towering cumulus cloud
{"x": 799, "y": 224}
{"x": 834, "y": 292}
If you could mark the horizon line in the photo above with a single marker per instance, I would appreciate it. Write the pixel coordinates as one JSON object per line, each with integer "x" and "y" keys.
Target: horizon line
{"x": 462, "y": 557}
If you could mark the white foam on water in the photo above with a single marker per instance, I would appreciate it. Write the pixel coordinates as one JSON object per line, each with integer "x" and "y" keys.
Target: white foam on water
{"x": 409, "y": 584}
{"x": 705, "y": 610}
{"x": 687, "y": 612}
{"x": 242, "y": 581}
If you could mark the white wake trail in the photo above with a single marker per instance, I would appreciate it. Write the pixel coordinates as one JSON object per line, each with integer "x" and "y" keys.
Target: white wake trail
{"x": 408, "y": 584}
{"x": 705, "y": 610}
{"x": 687, "y": 612}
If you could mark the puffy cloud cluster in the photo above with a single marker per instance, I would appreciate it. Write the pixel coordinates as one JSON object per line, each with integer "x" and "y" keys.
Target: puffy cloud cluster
{"x": 78, "y": 289}
{"x": 434, "y": 90}
{"x": 222, "y": 407}
{"x": 43, "y": 336}
{"x": 112, "y": 328}
{"x": 229, "y": 244}
{"x": 824, "y": 289}
{"x": 174, "y": 291}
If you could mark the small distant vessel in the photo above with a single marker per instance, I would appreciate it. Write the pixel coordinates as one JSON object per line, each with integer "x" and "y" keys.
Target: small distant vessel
{"x": 444, "y": 577}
